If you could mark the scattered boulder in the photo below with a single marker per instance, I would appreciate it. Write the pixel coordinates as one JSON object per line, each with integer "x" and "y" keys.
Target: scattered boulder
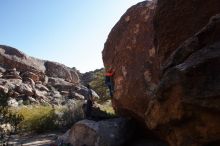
{"x": 25, "y": 89}
{"x": 12, "y": 102}
{"x": 3, "y": 89}
{"x": 56, "y": 94}
{"x": 6, "y": 128}
{"x": 31, "y": 99}
{"x": 82, "y": 90}
{"x": 78, "y": 96}
{"x": 95, "y": 95}
{"x": 60, "y": 84}
{"x": 64, "y": 93}
{"x": 2, "y": 70}
{"x": 40, "y": 95}
{"x": 13, "y": 93}
{"x": 31, "y": 75}
{"x": 41, "y": 87}
{"x": 10, "y": 84}
{"x": 11, "y": 74}
{"x": 29, "y": 81}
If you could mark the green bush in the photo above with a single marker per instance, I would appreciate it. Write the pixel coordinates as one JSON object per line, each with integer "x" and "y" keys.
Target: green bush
{"x": 37, "y": 118}
{"x": 72, "y": 114}
{"x": 98, "y": 85}
{"x": 7, "y": 118}
{"x": 45, "y": 118}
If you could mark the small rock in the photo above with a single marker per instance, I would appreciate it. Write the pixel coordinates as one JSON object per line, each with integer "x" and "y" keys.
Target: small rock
{"x": 12, "y": 102}
{"x": 3, "y": 89}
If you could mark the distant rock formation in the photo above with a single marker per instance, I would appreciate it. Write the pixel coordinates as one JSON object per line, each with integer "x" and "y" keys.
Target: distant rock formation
{"x": 88, "y": 77}
{"x": 28, "y": 80}
{"x": 12, "y": 58}
{"x": 167, "y": 69}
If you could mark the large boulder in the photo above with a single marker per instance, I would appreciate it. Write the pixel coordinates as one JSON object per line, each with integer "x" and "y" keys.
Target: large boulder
{"x": 58, "y": 70}
{"x": 10, "y": 84}
{"x": 41, "y": 87}
{"x": 174, "y": 86}
{"x": 114, "y": 132}
{"x": 31, "y": 75}
{"x": 3, "y": 89}
{"x": 188, "y": 98}
{"x": 11, "y": 74}
{"x": 129, "y": 49}
{"x": 35, "y": 68}
{"x": 84, "y": 91}
{"x": 12, "y": 102}
{"x": 25, "y": 89}
{"x": 60, "y": 84}
{"x": 177, "y": 20}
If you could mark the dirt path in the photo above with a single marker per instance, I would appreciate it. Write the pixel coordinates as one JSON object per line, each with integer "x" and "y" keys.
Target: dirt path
{"x": 34, "y": 139}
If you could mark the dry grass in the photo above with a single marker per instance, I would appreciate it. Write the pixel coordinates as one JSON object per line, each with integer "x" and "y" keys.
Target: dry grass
{"x": 37, "y": 118}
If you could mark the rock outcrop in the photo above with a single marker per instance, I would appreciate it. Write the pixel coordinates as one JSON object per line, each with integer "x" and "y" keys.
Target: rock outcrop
{"x": 88, "y": 77}
{"x": 28, "y": 80}
{"x": 60, "y": 71}
{"x": 12, "y": 58}
{"x": 170, "y": 76}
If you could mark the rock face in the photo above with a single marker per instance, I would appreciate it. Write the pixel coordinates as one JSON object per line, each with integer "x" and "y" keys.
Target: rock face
{"x": 177, "y": 20}
{"x": 170, "y": 76}
{"x": 191, "y": 84}
{"x": 130, "y": 50}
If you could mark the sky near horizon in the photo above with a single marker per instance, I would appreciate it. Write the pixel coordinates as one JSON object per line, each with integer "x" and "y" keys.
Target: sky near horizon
{"x": 71, "y": 32}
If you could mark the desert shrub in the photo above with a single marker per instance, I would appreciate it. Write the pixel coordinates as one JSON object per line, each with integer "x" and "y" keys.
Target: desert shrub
{"x": 71, "y": 114}
{"x": 38, "y": 118}
{"x": 8, "y": 121}
{"x": 98, "y": 85}
{"x": 45, "y": 118}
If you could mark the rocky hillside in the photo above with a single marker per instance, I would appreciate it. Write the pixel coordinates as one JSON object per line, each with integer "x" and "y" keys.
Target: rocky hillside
{"x": 166, "y": 56}
{"x": 29, "y": 80}
{"x": 97, "y": 81}
{"x": 90, "y": 76}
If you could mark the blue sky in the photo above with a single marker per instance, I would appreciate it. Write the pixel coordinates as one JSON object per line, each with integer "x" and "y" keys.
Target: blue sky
{"x": 72, "y": 32}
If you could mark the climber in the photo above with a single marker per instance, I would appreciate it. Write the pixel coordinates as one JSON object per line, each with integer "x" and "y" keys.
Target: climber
{"x": 89, "y": 103}
{"x": 109, "y": 80}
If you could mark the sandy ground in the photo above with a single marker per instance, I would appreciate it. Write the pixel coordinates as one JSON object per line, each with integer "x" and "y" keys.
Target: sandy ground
{"x": 34, "y": 139}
